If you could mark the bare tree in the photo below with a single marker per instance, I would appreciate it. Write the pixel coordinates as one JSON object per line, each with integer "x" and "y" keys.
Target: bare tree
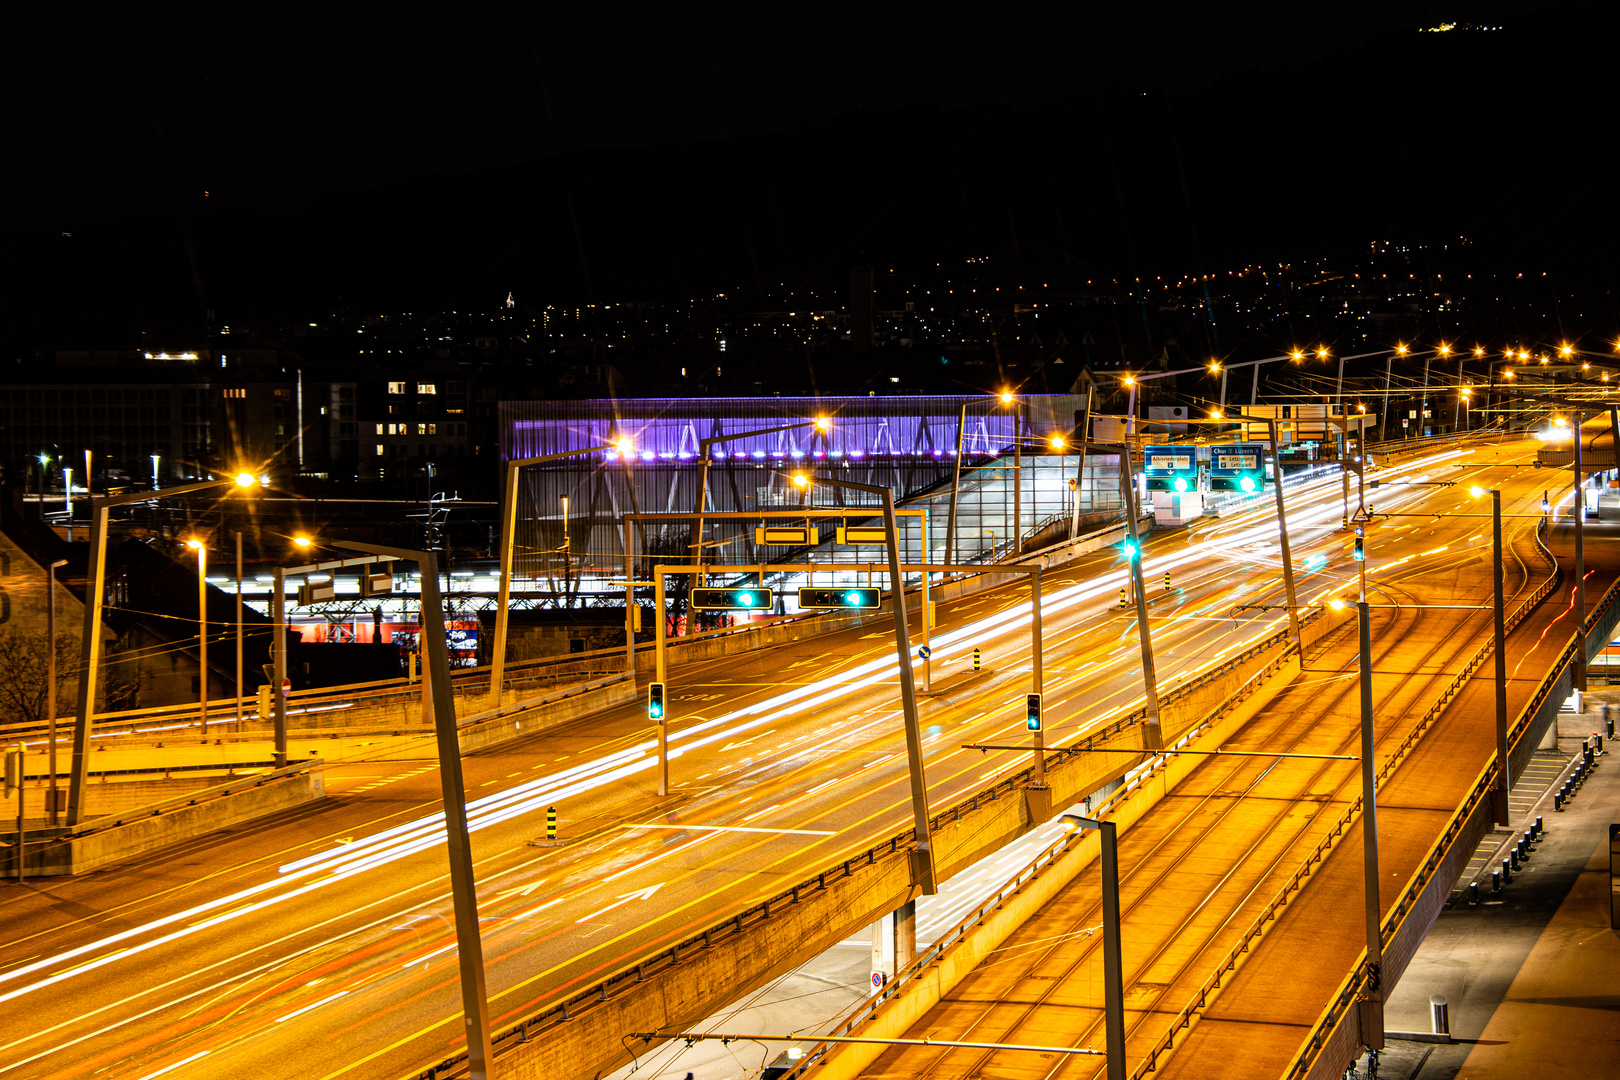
{"x": 23, "y": 670}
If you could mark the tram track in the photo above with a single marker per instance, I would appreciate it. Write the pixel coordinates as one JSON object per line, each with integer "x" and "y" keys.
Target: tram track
{"x": 1263, "y": 852}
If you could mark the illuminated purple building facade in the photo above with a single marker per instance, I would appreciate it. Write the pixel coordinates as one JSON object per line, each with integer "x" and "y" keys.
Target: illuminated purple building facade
{"x": 907, "y": 443}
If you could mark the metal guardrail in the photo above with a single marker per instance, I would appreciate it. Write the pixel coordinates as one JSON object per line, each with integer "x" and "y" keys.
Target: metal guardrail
{"x": 605, "y": 989}
{"x": 1209, "y": 990}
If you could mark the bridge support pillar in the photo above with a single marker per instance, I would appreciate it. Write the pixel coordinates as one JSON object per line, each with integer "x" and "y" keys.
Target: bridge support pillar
{"x": 905, "y": 934}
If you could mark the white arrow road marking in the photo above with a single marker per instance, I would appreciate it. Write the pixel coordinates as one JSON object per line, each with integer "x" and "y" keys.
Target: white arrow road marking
{"x": 521, "y": 890}
{"x": 625, "y": 899}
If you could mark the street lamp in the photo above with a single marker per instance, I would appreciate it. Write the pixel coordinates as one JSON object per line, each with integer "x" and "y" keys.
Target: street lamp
{"x": 453, "y": 789}
{"x": 50, "y": 680}
{"x": 201, "y": 548}
{"x": 90, "y": 644}
{"x": 497, "y": 663}
{"x": 1016, "y": 526}
{"x": 922, "y": 868}
{"x": 822, "y": 424}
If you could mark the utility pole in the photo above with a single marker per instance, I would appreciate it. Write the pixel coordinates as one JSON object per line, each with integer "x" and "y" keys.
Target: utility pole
{"x": 1113, "y": 951}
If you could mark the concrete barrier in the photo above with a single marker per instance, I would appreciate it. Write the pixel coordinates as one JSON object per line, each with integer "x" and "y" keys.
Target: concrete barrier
{"x": 521, "y": 718}
{"x": 50, "y": 853}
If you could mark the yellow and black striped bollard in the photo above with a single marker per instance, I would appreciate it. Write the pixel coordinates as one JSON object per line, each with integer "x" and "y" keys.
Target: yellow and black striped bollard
{"x": 551, "y": 823}
{"x": 975, "y": 659}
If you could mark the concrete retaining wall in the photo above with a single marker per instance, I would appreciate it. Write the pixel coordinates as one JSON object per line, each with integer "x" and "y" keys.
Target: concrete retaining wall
{"x": 87, "y": 851}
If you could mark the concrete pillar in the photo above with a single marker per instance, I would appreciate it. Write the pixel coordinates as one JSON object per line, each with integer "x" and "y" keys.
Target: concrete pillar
{"x": 905, "y": 934}
{"x": 882, "y": 950}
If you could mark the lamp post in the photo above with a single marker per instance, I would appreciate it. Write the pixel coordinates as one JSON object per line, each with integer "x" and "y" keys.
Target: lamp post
{"x": 1017, "y": 527}
{"x": 50, "y": 682}
{"x": 90, "y": 645}
{"x": 956, "y": 487}
{"x": 464, "y": 896}
{"x": 201, "y": 548}
{"x": 1080, "y": 464}
{"x": 238, "y": 630}
{"x": 497, "y": 664}
{"x": 1152, "y": 738}
{"x": 1576, "y": 420}
{"x": 822, "y": 425}
{"x": 1282, "y": 534}
{"x": 922, "y": 868}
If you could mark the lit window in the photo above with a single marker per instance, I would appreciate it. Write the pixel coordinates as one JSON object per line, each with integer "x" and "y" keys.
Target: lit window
{"x": 379, "y": 449}
{"x": 379, "y": 429}
{"x": 426, "y": 388}
{"x": 421, "y": 429}
{"x": 396, "y": 388}
{"x": 433, "y": 429}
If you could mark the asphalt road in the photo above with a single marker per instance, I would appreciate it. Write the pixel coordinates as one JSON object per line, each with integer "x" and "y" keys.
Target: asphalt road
{"x": 320, "y": 939}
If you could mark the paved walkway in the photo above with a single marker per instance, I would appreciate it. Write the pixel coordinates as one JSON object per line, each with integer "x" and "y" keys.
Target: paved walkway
{"x": 1532, "y": 980}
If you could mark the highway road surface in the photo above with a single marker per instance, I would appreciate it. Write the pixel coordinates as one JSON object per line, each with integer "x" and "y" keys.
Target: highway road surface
{"x": 320, "y": 939}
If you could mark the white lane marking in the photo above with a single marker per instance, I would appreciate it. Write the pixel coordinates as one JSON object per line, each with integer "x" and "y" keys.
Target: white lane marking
{"x": 306, "y": 1008}
{"x": 736, "y": 828}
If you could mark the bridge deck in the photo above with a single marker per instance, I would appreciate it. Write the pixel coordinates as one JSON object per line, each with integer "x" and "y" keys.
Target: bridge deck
{"x": 1199, "y": 868}
{"x": 1263, "y": 1016}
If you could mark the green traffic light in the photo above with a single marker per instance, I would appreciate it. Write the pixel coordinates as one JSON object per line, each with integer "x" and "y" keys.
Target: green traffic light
{"x": 852, "y": 599}
{"x": 1247, "y": 483}
{"x": 1129, "y": 549}
{"x": 746, "y": 599}
{"x": 1181, "y": 483}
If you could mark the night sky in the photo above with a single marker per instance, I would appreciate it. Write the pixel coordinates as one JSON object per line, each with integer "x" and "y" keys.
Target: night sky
{"x": 130, "y": 109}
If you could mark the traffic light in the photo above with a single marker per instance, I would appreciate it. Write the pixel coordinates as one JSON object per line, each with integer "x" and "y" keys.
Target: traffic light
{"x": 1033, "y": 711}
{"x": 1128, "y": 549}
{"x": 739, "y": 598}
{"x": 1360, "y": 553}
{"x": 853, "y": 599}
{"x": 655, "y": 701}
